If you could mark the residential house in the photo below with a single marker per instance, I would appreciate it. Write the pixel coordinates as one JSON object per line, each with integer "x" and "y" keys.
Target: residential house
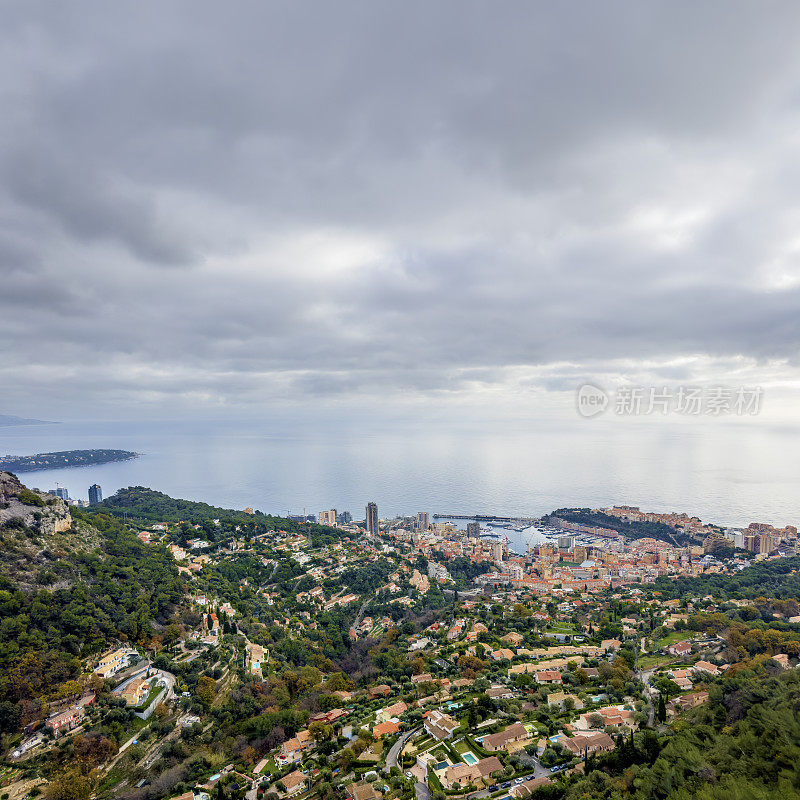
{"x": 679, "y": 648}
{"x": 439, "y": 725}
{"x": 66, "y": 720}
{"x": 523, "y": 790}
{"x": 687, "y": 701}
{"x": 295, "y": 782}
{"x": 332, "y": 716}
{"x": 460, "y": 775}
{"x": 456, "y": 630}
{"x": 500, "y": 692}
{"x": 547, "y": 676}
{"x": 611, "y": 715}
{"x": 559, "y": 698}
{"x": 482, "y": 772}
{"x": 489, "y": 768}
{"x": 587, "y": 743}
{"x": 504, "y": 739}
{"x": 292, "y": 750}
{"x": 477, "y": 629}
{"x": 706, "y": 667}
{"x": 111, "y": 664}
{"x": 363, "y": 791}
{"x": 382, "y": 729}
{"x": 256, "y": 656}
{"x": 135, "y": 691}
{"x": 394, "y": 710}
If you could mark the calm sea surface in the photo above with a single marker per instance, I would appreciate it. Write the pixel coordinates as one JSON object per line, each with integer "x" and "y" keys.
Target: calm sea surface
{"x": 731, "y": 474}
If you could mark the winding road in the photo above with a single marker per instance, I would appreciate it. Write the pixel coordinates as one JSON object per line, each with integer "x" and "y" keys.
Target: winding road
{"x": 394, "y": 752}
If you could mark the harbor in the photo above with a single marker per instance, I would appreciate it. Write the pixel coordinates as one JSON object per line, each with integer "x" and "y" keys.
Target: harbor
{"x": 521, "y": 534}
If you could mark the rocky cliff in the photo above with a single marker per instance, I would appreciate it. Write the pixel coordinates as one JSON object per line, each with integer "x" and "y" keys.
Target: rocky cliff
{"x": 37, "y": 511}
{"x": 38, "y": 536}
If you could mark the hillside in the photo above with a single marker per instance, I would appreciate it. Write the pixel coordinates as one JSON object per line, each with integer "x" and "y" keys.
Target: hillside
{"x": 70, "y": 584}
{"x": 145, "y": 506}
{"x": 779, "y": 578}
{"x": 35, "y": 530}
{"x": 632, "y": 530}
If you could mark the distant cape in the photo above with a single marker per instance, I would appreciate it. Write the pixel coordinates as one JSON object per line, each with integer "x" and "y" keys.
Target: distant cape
{"x": 7, "y": 420}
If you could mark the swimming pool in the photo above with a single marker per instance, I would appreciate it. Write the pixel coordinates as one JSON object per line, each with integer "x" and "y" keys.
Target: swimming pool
{"x": 469, "y": 758}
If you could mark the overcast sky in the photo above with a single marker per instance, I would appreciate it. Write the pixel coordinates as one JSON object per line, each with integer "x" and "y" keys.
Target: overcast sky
{"x": 210, "y": 206}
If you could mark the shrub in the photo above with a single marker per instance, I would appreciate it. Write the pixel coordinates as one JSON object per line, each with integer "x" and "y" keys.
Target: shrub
{"x": 31, "y": 498}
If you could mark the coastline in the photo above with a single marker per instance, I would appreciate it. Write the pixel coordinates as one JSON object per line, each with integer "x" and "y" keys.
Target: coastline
{"x": 8, "y": 462}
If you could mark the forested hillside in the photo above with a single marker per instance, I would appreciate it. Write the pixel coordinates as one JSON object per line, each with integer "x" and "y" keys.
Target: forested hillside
{"x": 744, "y": 744}
{"x": 93, "y": 584}
{"x": 141, "y": 504}
{"x": 633, "y": 530}
{"x": 779, "y": 578}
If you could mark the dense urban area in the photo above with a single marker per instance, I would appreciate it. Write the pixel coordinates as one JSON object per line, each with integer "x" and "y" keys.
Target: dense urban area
{"x": 160, "y": 648}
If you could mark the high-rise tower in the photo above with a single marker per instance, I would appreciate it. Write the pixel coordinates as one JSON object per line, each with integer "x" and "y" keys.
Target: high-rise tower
{"x": 372, "y": 518}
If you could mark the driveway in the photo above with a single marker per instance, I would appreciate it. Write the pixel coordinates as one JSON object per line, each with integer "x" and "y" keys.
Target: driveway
{"x": 168, "y": 680}
{"x": 422, "y": 792}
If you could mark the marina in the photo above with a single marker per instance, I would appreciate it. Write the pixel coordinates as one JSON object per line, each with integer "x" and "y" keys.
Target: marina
{"x": 521, "y": 534}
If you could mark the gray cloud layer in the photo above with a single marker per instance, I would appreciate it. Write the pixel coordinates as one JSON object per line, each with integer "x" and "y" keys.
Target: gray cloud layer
{"x": 205, "y": 203}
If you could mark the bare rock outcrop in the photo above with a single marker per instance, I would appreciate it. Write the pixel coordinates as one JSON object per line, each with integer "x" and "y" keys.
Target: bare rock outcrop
{"x": 41, "y": 512}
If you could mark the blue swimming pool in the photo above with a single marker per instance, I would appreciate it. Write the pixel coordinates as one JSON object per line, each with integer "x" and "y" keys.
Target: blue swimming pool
{"x": 469, "y": 758}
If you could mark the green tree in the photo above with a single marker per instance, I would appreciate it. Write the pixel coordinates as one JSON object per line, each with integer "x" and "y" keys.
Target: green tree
{"x": 206, "y": 689}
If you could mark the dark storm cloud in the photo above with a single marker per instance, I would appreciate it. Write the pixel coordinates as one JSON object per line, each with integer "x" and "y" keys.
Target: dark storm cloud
{"x": 205, "y": 204}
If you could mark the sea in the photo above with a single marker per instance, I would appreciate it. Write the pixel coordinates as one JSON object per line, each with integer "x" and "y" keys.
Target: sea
{"x": 731, "y": 474}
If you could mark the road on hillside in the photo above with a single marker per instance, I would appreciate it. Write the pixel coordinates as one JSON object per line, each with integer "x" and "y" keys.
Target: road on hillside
{"x": 644, "y": 676}
{"x": 538, "y": 772}
{"x": 394, "y": 752}
{"x": 361, "y": 612}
